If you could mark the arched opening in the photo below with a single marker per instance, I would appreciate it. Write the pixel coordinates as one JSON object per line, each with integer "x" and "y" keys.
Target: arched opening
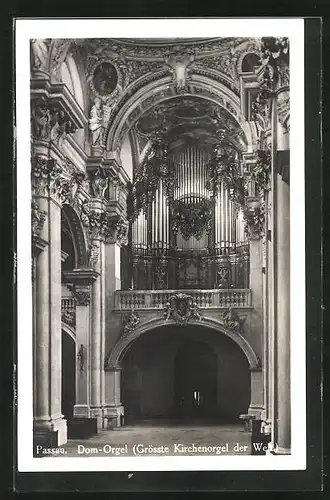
{"x": 195, "y": 380}
{"x": 249, "y": 62}
{"x": 176, "y": 373}
{"x": 68, "y": 375}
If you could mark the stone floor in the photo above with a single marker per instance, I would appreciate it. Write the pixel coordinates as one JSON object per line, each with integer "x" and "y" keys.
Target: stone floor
{"x": 158, "y": 439}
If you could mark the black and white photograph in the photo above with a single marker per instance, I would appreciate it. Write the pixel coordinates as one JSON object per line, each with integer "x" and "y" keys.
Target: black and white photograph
{"x": 160, "y": 181}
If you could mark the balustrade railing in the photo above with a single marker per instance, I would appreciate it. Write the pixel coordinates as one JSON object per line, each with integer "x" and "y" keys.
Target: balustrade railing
{"x": 157, "y": 299}
{"x": 68, "y": 311}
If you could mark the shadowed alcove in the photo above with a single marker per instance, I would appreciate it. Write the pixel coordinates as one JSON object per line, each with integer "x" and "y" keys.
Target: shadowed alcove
{"x": 177, "y": 373}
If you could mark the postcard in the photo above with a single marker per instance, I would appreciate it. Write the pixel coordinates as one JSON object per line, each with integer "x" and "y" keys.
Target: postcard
{"x": 160, "y": 202}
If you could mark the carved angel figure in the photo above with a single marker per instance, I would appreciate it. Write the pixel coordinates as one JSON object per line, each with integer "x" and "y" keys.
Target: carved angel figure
{"x": 40, "y": 118}
{"x": 39, "y": 53}
{"x": 96, "y": 122}
{"x": 233, "y": 321}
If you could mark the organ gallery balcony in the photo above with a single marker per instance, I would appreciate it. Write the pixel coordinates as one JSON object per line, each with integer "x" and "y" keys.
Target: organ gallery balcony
{"x": 205, "y": 299}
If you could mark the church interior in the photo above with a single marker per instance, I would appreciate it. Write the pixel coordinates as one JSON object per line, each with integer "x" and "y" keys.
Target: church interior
{"x": 160, "y": 236}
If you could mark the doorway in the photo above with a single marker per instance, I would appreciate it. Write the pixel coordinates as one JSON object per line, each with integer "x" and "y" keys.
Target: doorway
{"x": 68, "y": 375}
{"x": 195, "y": 381}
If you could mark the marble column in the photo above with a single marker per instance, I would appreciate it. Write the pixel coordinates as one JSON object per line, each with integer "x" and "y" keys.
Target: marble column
{"x": 49, "y": 424}
{"x": 80, "y": 282}
{"x": 255, "y": 335}
{"x": 97, "y": 222}
{"x": 113, "y": 409}
{"x": 283, "y": 316}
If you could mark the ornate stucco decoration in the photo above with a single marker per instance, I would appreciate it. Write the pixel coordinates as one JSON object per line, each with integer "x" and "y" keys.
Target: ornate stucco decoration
{"x": 254, "y": 221}
{"x": 49, "y": 122}
{"x": 181, "y": 308}
{"x": 117, "y": 230}
{"x": 51, "y": 179}
{"x": 179, "y": 60}
{"x": 156, "y": 167}
{"x": 38, "y": 218}
{"x": 275, "y": 54}
{"x": 95, "y": 221}
{"x": 261, "y": 170}
{"x": 99, "y": 182}
{"x": 224, "y": 167}
{"x": 82, "y": 296}
{"x": 192, "y": 219}
{"x": 273, "y": 75}
{"x": 233, "y": 321}
{"x": 129, "y": 323}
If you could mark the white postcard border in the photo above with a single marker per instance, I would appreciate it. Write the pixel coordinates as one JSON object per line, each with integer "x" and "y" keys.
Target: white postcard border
{"x": 159, "y": 28}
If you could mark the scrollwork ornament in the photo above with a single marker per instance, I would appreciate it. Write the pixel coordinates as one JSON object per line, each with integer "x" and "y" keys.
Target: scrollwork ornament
{"x": 181, "y": 308}
{"x": 129, "y": 323}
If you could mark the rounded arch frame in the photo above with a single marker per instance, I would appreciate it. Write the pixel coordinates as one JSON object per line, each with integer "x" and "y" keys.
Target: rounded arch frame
{"x": 162, "y": 89}
{"x": 78, "y": 236}
{"x": 69, "y": 331}
{"x": 124, "y": 342}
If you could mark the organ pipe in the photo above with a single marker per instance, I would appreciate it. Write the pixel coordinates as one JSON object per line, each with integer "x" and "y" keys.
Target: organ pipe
{"x": 191, "y": 177}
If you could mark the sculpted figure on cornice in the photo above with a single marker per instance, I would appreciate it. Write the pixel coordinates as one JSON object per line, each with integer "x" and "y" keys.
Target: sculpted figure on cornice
{"x": 39, "y": 53}
{"x": 49, "y": 122}
{"x": 96, "y": 124}
{"x": 98, "y": 184}
{"x": 38, "y": 218}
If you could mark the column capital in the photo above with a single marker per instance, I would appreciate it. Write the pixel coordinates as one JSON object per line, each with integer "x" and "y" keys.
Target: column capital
{"x": 94, "y": 218}
{"x": 51, "y": 180}
{"x": 117, "y": 230}
{"x": 79, "y": 281}
{"x": 82, "y": 277}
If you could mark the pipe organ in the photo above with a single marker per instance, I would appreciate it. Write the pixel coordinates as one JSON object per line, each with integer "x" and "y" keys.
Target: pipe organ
{"x": 190, "y": 237}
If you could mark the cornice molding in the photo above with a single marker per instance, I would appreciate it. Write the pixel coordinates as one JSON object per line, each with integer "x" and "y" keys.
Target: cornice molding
{"x": 58, "y": 93}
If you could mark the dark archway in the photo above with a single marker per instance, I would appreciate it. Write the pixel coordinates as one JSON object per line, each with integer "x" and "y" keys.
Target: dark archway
{"x": 169, "y": 364}
{"x": 68, "y": 375}
{"x": 195, "y": 380}
{"x": 250, "y": 62}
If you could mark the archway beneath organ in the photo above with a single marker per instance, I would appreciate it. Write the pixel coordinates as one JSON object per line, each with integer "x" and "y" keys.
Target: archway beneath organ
{"x": 195, "y": 381}
{"x": 175, "y": 374}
